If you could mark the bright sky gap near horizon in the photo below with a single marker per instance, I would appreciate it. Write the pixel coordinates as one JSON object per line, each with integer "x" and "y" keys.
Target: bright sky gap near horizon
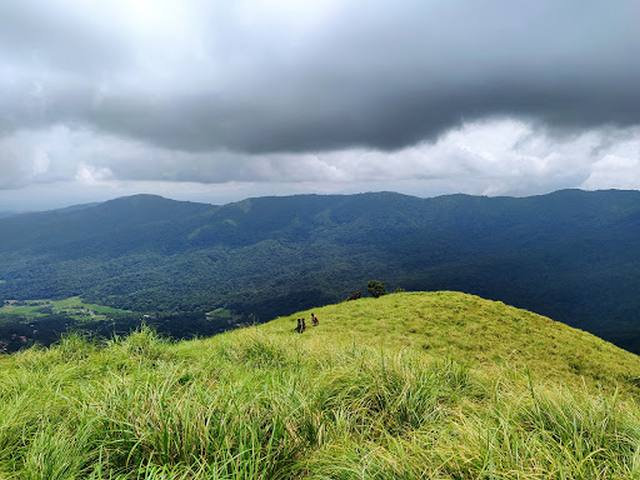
{"x": 217, "y": 101}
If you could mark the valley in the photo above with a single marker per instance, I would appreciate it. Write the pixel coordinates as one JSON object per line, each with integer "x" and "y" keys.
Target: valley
{"x": 43, "y": 322}
{"x": 72, "y": 307}
{"x": 571, "y": 255}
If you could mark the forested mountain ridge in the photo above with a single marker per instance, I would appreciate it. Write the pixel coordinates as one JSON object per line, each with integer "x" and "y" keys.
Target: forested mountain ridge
{"x": 572, "y": 255}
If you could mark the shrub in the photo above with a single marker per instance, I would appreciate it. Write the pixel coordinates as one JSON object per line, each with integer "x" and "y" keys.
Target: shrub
{"x": 355, "y": 295}
{"x": 376, "y": 288}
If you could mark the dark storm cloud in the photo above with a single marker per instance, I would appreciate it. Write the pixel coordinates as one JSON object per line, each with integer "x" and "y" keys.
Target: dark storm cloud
{"x": 275, "y": 77}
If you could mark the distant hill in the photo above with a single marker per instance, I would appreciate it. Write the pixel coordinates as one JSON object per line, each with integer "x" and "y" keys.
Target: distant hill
{"x": 415, "y": 385}
{"x": 572, "y": 255}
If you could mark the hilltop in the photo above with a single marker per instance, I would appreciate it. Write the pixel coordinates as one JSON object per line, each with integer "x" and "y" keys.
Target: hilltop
{"x": 436, "y": 385}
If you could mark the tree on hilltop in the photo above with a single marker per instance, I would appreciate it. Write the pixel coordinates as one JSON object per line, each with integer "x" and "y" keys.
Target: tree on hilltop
{"x": 376, "y": 288}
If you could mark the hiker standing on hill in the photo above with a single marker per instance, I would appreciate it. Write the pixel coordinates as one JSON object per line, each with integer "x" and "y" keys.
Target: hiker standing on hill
{"x": 301, "y": 325}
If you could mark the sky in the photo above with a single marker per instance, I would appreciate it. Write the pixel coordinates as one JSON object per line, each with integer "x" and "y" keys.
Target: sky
{"x": 221, "y": 100}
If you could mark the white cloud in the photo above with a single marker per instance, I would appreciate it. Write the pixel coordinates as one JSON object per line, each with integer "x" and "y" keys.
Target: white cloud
{"x": 614, "y": 172}
{"x": 492, "y": 157}
{"x": 90, "y": 175}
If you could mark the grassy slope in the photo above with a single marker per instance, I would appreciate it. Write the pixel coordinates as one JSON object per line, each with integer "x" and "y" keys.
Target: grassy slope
{"x": 487, "y": 335}
{"x": 415, "y": 385}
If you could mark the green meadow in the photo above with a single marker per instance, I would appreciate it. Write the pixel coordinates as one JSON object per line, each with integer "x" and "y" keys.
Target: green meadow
{"x": 72, "y": 307}
{"x": 414, "y": 385}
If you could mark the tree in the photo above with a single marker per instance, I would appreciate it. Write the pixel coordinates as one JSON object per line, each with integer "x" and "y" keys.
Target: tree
{"x": 376, "y": 288}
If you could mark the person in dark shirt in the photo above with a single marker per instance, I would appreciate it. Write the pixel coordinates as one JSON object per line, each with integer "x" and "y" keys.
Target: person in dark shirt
{"x": 301, "y": 325}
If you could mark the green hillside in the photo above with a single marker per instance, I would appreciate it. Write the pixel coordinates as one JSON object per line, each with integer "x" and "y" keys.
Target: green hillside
{"x": 414, "y": 385}
{"x": 571, "y": 255}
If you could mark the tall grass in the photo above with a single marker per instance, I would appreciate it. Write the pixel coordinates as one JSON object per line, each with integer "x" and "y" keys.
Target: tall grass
{"x": 254, "y": 405}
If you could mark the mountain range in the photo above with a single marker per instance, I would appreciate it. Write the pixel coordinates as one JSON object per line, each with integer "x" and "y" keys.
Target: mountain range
{"x": 571, "y": 255}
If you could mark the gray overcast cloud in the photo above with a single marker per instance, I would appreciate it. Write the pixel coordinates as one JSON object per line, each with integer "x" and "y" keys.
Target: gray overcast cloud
{"x": 220, "y": 100}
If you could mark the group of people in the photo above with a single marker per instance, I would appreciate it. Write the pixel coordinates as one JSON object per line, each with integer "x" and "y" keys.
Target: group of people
{"x": 302, "y": 324}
